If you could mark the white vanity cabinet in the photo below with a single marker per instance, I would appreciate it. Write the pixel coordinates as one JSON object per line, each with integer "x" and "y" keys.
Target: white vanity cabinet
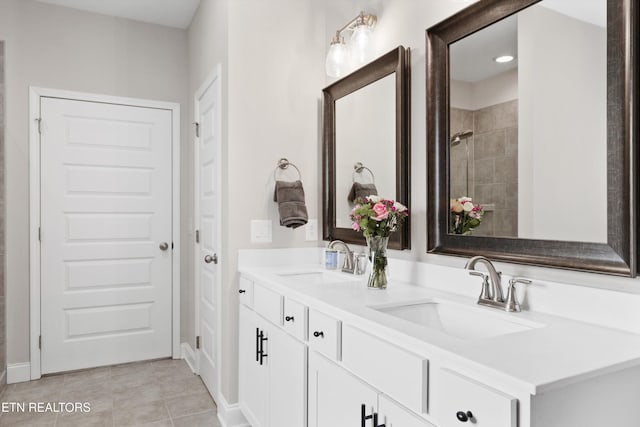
{"x": 272, "y": 368}
{"x": 338, "y": 398}
{"x": 312, "y": 361}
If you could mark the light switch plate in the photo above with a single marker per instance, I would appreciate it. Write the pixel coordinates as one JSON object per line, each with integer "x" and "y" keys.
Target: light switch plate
{"x": 261, "y": 231}
{"x": 311, "y": 230}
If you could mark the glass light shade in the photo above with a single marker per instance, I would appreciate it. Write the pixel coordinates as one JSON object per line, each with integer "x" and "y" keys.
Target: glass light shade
{"x": 337, "y": 62}
{"x": 361, "y": 49}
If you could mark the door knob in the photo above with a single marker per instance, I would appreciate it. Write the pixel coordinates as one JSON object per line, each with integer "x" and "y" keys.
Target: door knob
{"x": 463, "y": 417}
{"x": 211, "y": 259}
{"x": 164, "y": 246}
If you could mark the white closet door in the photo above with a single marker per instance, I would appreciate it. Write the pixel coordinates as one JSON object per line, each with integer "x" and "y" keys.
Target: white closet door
{"x": 207, "y": 247}
{"x": 106, "y": 234}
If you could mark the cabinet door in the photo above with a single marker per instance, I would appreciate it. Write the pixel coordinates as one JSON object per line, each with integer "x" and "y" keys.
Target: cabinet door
{"x": 392, "y": 414}
{"x": 252, "y": 376}
{"x": 287, "y": 380}
{"x": 335, "y": 396}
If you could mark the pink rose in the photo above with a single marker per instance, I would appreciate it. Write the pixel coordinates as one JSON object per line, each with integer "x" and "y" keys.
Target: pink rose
{"x": 355, "y": 226}
{"x": 381, "y": 211}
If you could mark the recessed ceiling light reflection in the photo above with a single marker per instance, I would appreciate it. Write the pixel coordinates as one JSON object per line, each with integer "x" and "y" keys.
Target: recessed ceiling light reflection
{"x": 503, "y": 58}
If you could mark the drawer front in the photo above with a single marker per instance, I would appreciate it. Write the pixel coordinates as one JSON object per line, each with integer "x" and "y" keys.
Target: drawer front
{"x": 325, "y": 334}
{"x": 488, "y": 407}
{"x": 295, "y": 319}
{"x": 396, "y": 372}
{"x": 245, "y": 289}
{"x": 392, "y": 414}
{"x": 267, "y": 303}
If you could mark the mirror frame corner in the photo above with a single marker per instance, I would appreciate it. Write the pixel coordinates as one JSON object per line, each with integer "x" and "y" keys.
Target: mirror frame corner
{"x": 618, "y": 256}
{"x": 396, "y": 61}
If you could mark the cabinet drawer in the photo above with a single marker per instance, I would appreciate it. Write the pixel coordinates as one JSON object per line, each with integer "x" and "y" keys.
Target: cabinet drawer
{"x": 398, "y": 373}
{"x": 295, "y": 319}
{"x": 245, "y": 289}
{"x": 324, "y": 334}
{"x": 489, "y": 407}
{"x": 267, "y": 303}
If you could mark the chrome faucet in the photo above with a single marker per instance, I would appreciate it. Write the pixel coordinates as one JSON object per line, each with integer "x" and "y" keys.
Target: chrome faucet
{"x": 349, "y": 265}
{"x": 491, "y": 294}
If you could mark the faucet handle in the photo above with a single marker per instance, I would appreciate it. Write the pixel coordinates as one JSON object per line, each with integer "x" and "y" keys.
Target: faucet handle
{"x": 512, "y": 303}
{"x": 515, "y": 280}
{"x": 485, "y": 293}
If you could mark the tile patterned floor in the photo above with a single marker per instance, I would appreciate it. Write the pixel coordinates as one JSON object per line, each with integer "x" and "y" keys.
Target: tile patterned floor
{"x": 159, "y": 393}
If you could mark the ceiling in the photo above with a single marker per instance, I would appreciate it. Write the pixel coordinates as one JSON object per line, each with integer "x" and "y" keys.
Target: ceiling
{"x": 172, "y": 13}
{"x": 472, "y": 57}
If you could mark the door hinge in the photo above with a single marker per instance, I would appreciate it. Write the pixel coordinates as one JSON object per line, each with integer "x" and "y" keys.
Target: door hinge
{"x": 197, "y": 125}
{"x": 39, "y": 234}
{"x": 39, "y": 121}
{"x": 40, "y": 342}
{"x": 197, "y": 236}
{"x": 197, "y": 342}
{"x": 171, "y": 245}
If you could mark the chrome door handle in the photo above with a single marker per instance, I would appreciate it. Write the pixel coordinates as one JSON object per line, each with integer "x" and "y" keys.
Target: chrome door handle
{"x": 211, "y": 259}
{"x": 164, "y": 246}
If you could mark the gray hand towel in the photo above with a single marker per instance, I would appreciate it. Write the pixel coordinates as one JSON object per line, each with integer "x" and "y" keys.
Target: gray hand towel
{"x": 359, "y": 190}
{"x": 291, "y": 206}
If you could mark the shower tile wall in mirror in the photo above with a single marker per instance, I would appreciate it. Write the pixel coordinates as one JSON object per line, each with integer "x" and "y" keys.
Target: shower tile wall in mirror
{"x": 533, "y": 149}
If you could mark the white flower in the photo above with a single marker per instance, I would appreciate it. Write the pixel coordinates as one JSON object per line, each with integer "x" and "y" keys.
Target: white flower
{"x": 467, "y": 206}
{"x": 399, "y": 206}
{"x": 374, "y": 199}
{"x": 464, "y": 199}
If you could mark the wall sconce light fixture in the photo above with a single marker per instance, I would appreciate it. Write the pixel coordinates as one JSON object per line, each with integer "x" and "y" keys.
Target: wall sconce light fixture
{"x": 341, "y": 57}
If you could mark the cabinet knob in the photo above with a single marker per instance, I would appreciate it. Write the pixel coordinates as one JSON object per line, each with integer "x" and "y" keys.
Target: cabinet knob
{"x": 463, "y": 417}
{"x": 241, "y": 291}
{"x": 318, "y": 334}
{"x": 289, "y": 318}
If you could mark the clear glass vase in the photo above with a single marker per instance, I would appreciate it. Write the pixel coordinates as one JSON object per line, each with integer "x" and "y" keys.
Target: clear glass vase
{"x": 377, "y": 262}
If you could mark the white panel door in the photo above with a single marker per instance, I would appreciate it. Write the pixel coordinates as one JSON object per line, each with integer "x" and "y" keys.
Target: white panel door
{"x": 106, "y": 209}
{"x": 207, "y": 220}
{"x": 287, "y": 385}
{"x": 253, "y": 369}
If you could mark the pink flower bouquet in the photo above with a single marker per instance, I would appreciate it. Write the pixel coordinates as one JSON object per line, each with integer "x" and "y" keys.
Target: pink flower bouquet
{"x": 375, "y": 216}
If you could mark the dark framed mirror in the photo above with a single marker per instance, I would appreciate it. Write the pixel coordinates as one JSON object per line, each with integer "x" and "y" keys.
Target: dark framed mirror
{"x": 366, "y": 143}
{"x": 546, "y": 146}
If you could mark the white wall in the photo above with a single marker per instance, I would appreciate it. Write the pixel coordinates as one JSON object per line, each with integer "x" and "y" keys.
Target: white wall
{"x": 366, "y": 133}
{"x": 61, "y": 48}
{"x": 473, "y": 96}
{"x": 562, "y": 133}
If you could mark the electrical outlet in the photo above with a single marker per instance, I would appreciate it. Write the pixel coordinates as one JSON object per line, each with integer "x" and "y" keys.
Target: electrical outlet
{"x": 261, "y": 231}
{"x": 311, "y": 230}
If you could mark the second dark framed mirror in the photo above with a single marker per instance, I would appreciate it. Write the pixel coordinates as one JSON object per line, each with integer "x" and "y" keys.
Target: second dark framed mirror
{"x": 551, "y": 153}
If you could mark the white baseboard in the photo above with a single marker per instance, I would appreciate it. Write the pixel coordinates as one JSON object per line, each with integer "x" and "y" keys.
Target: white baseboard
{"x": 18, "y": 372}
{"x": 229, "y": 415}
{"x": 190, "y": 357}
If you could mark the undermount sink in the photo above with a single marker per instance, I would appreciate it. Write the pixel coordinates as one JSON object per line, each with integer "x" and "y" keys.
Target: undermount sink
{"x": 319, "y": 277}
{"x": 458, "y": 320}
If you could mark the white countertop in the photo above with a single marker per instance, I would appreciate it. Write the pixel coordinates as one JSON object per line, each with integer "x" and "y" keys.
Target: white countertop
{"x": 560, "y": 352}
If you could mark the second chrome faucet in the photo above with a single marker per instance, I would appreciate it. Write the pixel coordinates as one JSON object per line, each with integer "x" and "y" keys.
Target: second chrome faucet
{"x": 491, "y": 293}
